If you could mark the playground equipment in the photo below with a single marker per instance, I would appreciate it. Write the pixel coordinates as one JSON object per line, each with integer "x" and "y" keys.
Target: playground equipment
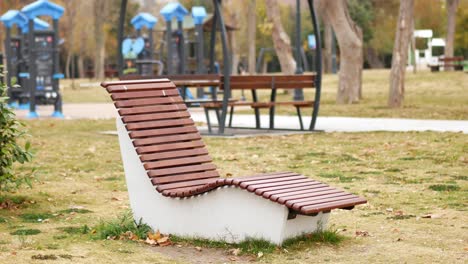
{"x": 424, "y": 56}
{"x": 139, "y": 51}
{"x": 16, "y": 54}
{"x": 219, "y": 26}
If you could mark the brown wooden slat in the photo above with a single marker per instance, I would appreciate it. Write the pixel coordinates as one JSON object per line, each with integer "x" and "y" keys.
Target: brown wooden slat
{"x": 177, "y": 162}
{"x": 171, "y": 146}
{"x": 149, "y": 101}
{"x": 154, "y": 117}
{"x": 270, "y": 175}
{"x": 174, "y": 154}
{"x": 332, "y": 205}
{"x": 151, "y": 109}
{"x": 274, "y": 194}
{"x": 252, "y": 184}
{"x": 320, "y": 200}
{"x": 144, "y": 94}
{"x": 182, "y": 169}
{"x": 162, "y": 132}
{"x": 301, "y": 194}
{"x": 185, "y": 177}
{"x": 253, "y": 188}
{"x": 166, "y": 139}
{"x": 117, "y": 83}
{"x": 311, "y": 195}
{"x": 179, "y": 185}
{"x": 161, "y": 123}
{"x": 140, "y": 87}
{"x": 261, "y": 191}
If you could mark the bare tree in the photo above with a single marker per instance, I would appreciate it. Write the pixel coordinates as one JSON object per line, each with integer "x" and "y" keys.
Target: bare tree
{"x": 404, "y": 33}
{"x": 281, "y": 40}
{"x": 251, "y": 33}
{"x": 100, "y": 10}
{"x": 349, "y": 36}
{"x": 328, "y": 41}
{"x": 451, "y": 6}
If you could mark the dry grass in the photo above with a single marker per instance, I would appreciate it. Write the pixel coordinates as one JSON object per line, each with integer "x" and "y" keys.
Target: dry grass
{"x": 442, "y": 95}
{"x": 78, "y": 167}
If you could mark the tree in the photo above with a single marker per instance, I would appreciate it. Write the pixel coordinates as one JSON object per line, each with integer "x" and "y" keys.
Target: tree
{"x": 404, "y": 33}
{"x": 349, "y": 36}
{"x": 251, "y": 32}
{"x": 281, "y": 40}
{"x": 451, "y": 6}
{"x": 100, "y": 10}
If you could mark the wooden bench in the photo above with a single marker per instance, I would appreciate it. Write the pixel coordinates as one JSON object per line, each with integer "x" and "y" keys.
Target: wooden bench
{"x": 455, "y": 63}
{"x": 174, "y": 187}
{"x": 266, "y": 82}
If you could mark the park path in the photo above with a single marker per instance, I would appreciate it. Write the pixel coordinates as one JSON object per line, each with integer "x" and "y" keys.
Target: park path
{"x": 327, "y": 124}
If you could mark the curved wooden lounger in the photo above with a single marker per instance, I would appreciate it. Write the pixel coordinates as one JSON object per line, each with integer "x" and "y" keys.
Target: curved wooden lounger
{"x": 174, "y": 187}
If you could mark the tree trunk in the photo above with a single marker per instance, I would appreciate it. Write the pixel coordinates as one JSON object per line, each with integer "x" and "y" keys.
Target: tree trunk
{"x": 281, "y": 40}
{"x": 349, "y": 37}
{"x": 373, "y": 59}
{"x": 328, "y": 41}
{"x": 404, "y": 33}
{"x": 81, "y": 69}
{"x": 251, "y": 35}
{"x": 451, "y": 6}
{"x": 100, "y": 8}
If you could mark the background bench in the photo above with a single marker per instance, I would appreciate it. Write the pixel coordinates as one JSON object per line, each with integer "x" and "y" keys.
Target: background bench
{"x": 448, "y": 62}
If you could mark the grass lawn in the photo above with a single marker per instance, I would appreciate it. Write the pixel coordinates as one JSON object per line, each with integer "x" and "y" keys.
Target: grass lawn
{"x": 406, "y": 177}
{"x": 442, "y": 95}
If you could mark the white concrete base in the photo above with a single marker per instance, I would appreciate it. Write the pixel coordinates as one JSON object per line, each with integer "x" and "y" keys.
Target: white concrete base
{"x": 226, "y": 214}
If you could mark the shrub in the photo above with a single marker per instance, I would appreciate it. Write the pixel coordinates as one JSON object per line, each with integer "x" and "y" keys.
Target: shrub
{"x": 11, "y": 130}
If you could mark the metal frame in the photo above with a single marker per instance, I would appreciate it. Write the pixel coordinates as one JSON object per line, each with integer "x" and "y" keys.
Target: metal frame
{"x": 219, "y": 22}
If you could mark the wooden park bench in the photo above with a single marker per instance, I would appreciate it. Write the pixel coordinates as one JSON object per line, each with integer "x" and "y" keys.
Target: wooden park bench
{"x": 174, "y": 187}
{"x": 266, "y": 82}
{"x": 455, "y": 63}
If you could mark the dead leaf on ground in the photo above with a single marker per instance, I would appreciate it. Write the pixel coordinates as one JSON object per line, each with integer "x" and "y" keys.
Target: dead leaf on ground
{"x": 432, "y": 216}
{"x": 235, "y": 251}
{"x": 260, "y": 254}
{"x": 164, "y": 241}
{"x": 116, "y": 199}
{"x": 362, "y": 233}
{"x": 154, "y": 236}
{"x": 198, "y": 248}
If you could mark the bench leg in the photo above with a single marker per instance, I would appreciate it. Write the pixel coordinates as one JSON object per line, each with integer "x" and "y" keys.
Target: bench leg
{"x": 298, "y": 109}
{"x": 207, "y": 114}
{"x": 218, "y": 117}
{"x": 272, "y": 117}
{"x": 257, "y": 118}
{"x": 231, "y": 113}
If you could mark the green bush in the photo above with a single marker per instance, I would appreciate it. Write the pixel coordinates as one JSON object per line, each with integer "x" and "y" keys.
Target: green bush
{"x": 11, "y": 130}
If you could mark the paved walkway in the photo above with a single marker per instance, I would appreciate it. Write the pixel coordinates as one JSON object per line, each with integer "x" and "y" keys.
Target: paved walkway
{"x": 328, "y": 124}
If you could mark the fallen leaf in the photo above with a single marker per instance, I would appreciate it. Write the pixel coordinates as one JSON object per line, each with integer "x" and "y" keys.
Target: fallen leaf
{"x": 362, "y": 233}
{"x": 156, "y": 236}
{"x": 198, "y": 248}
{"x": 150, "y": 242}
{"x": 233, "y": 259}
{"x": 116, "y": 199}
{"x": 164, "y": 241}
{"x": 260, "y": 254}
{"x": 235, "y": 251}
{"x": 389, "y": 209}
{"x": 432, "y": 216}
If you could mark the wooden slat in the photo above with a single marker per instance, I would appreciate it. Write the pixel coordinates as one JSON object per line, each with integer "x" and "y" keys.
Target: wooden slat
{"x": 332, "y": 205}
{"x": 140, "y": 87}
{"x": 284, "y": 186}
{"x": 319, "y": 200}
{"x": 271, "y": 175}
{"x": 253, "y": 188}
{"x": 185, "y": 184}
{"x": 172, "y": 146}
{"x": 182, "y": 169}
{"x": 177, "y": 162}
{"x": 165, "y": 139}
{"x": 118, "y": 83}
{"x": 151, "y": 109}
{"x": 275, "y": 194}
{"x": 154, "y": 117}
{"x": 268, "y": 181}
{"x": 311, "y": 195}
{"x": 174, "y": 154}
{"x": 162, "y": 132}
{"x": 144, "y": 94}
{"x": 301, "y": 193}
{"x": 162, "y": 123}
{"x": 184, "y": 177}
{"x": 150, "y": 101}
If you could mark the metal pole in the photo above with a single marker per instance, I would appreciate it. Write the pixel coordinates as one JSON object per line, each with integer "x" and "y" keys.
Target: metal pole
{"x": 55, "y": 64}
{"x": 169, "y": 47}
{"x": 120, "y": 61}
{"x": 8, "y": 63}
{"x": 151, "y": 43}
{"x": 213, "y": 41}
{"x": 32, "y": 71}
{"x": 227, "y": 68}
{"x": 181, "y": 46}
{"x": 298, "y": 93}
{"x": 200, "y": 56}
{"x": 318, "y": 65}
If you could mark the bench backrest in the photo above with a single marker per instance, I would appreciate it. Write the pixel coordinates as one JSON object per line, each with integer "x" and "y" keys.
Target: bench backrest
{"x": 270, "y": 81}
{"x": 451, "y": 59}
{"x": 163, "y": 134}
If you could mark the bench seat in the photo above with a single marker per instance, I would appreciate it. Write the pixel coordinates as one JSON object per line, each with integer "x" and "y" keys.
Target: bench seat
{"x": 164, "y": 156}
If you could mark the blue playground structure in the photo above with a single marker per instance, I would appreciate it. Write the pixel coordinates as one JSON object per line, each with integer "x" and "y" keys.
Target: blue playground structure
{"x": 33, "y": 57}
